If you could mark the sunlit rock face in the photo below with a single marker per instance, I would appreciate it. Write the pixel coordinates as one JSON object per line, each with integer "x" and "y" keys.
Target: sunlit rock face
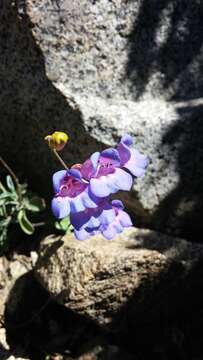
{"x": 98, "y": 69}
{"x": 86, "y": 44}
{"x": 121, "y": 48}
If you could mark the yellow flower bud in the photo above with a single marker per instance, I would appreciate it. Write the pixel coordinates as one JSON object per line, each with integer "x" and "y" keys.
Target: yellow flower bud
{"x": 57, "y": 140}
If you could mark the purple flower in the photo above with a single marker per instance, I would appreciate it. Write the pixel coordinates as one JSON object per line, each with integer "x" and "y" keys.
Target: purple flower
{"x": 109, "y": 177}
{"x": 109, "y": 171}
{"x": 103, "y": 174}
{"x": 72, "y": 193}
{"x": 131, "y": 159}
{"x": 107, "y": 219}
{"x": 83, "y": 191}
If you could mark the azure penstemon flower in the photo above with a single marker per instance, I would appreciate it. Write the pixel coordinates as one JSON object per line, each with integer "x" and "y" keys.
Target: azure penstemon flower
{"x": 113, "y": 166}
{"x": 107, "y": 219}
{"x": 72, "y": 193}
{"x": 83, "y": 190}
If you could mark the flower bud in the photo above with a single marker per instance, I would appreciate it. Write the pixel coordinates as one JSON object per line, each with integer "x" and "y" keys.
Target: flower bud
{"x": 57, "y": 140}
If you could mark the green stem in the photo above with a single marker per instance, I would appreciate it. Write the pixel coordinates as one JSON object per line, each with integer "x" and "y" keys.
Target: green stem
{"x": 4, "y": 210}
{"x": 14, "y": 176}
{"x": 39, "y": 224}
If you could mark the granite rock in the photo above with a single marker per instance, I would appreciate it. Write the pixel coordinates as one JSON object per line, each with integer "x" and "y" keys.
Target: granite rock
{"x": 121, "y": 49}
{"x": 10, "y": 271}
{"x": 97, "y": 69}
{"x": 110, "y": 282}
{"x": 168, "y": 197}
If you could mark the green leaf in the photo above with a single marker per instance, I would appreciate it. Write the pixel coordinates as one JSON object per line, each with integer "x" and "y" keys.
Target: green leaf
{"x": 57, "y": 225}
{"x": 6, "y": 194}
{"x": 23, "y": 189}
{"x": 3, "y": 237}
{"x": 35, "y": 204}
{"x": 10, "y": 183}
{"x": 5, "y": 222}
{"x": 2, "y": 188}
{"x": 24, "y": 223}
{"x": 64, "y": 225}
{"x": 8, "y": 201}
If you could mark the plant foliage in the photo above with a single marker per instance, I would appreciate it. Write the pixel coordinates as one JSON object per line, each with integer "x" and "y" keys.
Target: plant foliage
{"x": 16, "y": 203}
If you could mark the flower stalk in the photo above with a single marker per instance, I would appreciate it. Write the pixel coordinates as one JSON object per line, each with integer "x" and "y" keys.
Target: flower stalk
{"x": 59, "y": 159}
{"x": 14, "y": 176}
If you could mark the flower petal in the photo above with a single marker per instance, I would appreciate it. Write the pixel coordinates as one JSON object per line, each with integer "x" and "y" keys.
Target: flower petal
{"x": 75, "y": 173}
{"x": 94, "y": 159}
{"x": 125, "y": 219}
{"x": 99, "y": 187}
{"x": 137, "y": 163}
{"x": 57, "y": 179}
{"x": 93, "y": 223}
{"x": 83, "y": 201}
{"x": 123, "y": 148}
{"x": 87, "y": 169}
{"x": 127, "y": 139}
{"x": 93, "y": 231}
{"x": 89, "y": 200}
{"x": 76, "y": 204}
{"x": 124, "y": 152}
{"x": 79, "y": 219}
{"x": 112, "y": 155}
{"x": 118, "y": 204}
{"x": 60, "y": 207}
{"x": 109, "y": 232}
{"x": 121, "y": 179}
{"x": 107, "y": 217}
{"x": 110, "y": 184}
{"x": 103, "y": 215}
{"x": 81, "y": 234}
{"x": 140, "y": 159}
{"x": 117, "y": 225}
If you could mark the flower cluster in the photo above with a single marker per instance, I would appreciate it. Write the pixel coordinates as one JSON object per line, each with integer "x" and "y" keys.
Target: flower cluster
{"x": 83, "y": 191}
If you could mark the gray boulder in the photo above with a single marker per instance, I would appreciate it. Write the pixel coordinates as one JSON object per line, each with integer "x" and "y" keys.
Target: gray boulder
{"x": 121, "y": 49}
{"x": 97, "y": 69}
{"x": 169, "y": 197}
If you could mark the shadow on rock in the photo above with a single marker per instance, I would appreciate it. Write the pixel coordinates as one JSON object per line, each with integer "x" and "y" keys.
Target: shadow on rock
{"x": 166, "y": 42}
{"x": 183, "y": 207}
{"x": 37, "y": 324}
{"x": 164, "y": 316}
{"x": 31, "y": 106}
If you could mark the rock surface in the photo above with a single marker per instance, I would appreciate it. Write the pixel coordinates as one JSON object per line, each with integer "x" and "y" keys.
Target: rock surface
{"x": 164, "y": 311}
{"x": 10, "y": 271}
{"x": 120, "y": 49}
{"x": 97, "y": 69}
{"x": 168, "y": 198}
{"x": 110, "y": 282}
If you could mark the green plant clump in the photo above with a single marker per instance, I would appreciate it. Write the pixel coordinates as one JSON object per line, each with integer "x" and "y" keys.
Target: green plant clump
{"x": 15, "y": 203}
